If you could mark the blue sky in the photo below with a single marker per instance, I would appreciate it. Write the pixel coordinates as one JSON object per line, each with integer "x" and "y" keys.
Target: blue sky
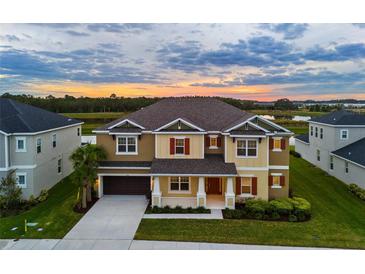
{"x": 247, "y": 61}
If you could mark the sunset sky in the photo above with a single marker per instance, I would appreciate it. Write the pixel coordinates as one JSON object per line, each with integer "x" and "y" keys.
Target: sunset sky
{"x": 247, "y": 61}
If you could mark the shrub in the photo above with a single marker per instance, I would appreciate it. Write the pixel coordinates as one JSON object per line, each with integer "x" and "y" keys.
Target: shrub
{"x": 32, "y": 200}
{"x": 257, "y": 208}
{"x": 358, "y": 191}
{"x": 282, "y": 206}
{"x": 10, "y": 193}
{"x": 292, "y": 218}
{"x": 301, "y": 207}
{"x": 43, "y": 195}
{"x": 275, "y": 216}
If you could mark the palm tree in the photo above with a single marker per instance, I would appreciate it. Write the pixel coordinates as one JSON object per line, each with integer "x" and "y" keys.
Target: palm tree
{"x": 85, "y": 161}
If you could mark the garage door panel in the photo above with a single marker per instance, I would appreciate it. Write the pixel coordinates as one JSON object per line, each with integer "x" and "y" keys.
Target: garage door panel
{"x": 126, "y": 185}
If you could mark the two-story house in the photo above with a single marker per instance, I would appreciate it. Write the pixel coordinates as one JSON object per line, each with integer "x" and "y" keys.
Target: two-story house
{"x": 36, "y": 144}
{"x": 336, "y": 144}
{"x": 194, "y": 151}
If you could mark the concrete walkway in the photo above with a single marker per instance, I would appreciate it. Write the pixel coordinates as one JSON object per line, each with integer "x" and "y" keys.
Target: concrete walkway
{"x": 48, "y": 244}
{"x": 214, "y": 214}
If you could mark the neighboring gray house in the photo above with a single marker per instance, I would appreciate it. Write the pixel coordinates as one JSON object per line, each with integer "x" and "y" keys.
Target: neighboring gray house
{"x": 336, "y": 144}
{"x": 36, "y": 144}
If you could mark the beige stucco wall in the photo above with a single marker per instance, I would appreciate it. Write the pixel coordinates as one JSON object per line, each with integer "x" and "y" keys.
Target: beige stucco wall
{"x": 146, "y": 148}
{"x": 196, "y": 146}
{"x": 280, "y": 158}
{"x": 283, "y": 192}
{"x": 262, "y": 182}
{"x": 259, "y": 161}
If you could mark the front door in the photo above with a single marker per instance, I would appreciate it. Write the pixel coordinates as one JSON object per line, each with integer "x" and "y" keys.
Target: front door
{"x": 214, "y": 186}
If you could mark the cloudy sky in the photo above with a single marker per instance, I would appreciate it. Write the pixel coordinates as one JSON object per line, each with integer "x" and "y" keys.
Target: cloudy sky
{"x": 248, "y": 61}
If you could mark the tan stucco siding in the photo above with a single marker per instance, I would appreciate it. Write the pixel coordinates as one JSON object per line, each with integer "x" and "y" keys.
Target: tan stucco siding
{"x": 146, "y": 148}
{"x": 124, "y": 171}
{"x": 259, "y": 161}
{"x": 196, "y": 146}
{"x": 280, "y": 158}
{"x": 164, "y": 187}
{"x": 283, "y": 192}
{"x": 262, "y": 182}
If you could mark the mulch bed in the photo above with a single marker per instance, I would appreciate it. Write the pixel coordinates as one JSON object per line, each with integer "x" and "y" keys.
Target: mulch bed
{"x": 88, "y": 206}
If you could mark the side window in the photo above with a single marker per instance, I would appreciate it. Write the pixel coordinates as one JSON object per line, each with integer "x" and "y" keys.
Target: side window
{"x": 318, "y": 155}
{"x": 21, "y": 180}
{"x": 331, "y": 163}
{"x": 321, "y": 133}
{"x": 78, "y": 131}
{"x": 346, "y": 167}
{"x": 59, "y": 166}
{"x": 54, "y": 140}
{"x": 20, "y": 144}
{"x": 316, "y": 132}
{"x": 311, "y": 130}
{"x": 39, "y": 145}
{"x": 344, "y": 134}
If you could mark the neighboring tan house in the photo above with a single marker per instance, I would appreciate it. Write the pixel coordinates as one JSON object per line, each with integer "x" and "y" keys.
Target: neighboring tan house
{"x": 336, "y": 144}
{"x": 36, "y": 144}
{"x": 194, "y": 152}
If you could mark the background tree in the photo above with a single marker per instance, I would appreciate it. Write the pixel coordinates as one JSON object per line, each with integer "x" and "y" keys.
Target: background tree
{"x": 85, "y": 161}
{"x": 284, "y": 104}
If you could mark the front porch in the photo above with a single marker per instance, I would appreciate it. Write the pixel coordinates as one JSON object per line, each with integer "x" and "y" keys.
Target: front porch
{"x": 203, "y": 191}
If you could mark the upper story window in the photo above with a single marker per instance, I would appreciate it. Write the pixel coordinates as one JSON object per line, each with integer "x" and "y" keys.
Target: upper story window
{"x": 59, "y": 166}
{"x": 20, "y": 144}
{"x": 344, "y": 134}
{"x": 213, "y": 141}
{"x": 321, "y": 133}
{"x": 346, "y": 167}
{"x": 246, "y": 148}
{"x": 127, "y": 145}
{"x": 179, "y": 146}
{"x": 78, "y": 131}
{"x": 316, "y": 132}
{"x": 21, "y": 180}
{"x": 311, "y": 130}
{"x": 277, "y": 144}
{"x": 54, "y": 140}
{"x": 331, "y": 163}
{"x": 39, "y": 145}
{"x": 179, "y": 184}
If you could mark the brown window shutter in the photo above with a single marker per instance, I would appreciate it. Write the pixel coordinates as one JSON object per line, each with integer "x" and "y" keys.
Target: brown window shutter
{"x": 283, "y": 144}
{"x": 270, "y": 180}
{"x": 271, "y": 143}
{"x": 187, "y": 146}
{"x": 238, "y": 185}
{"x": 172, "y": 146}
{"x": 282, "y": 180}
{"x": 207, "y": 141}
{"x": 254, "y": 185}
{"x": 219, "y": 141}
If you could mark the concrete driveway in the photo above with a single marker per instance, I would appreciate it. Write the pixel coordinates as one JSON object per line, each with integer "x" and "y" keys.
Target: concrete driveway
{"x": 113, "y": 217}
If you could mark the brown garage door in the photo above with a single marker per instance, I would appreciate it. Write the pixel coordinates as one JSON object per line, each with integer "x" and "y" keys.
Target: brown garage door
{"x": 126, "y": 185}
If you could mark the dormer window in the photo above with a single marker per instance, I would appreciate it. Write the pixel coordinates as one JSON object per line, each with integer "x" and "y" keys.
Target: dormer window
{"x": 344, "y": 134}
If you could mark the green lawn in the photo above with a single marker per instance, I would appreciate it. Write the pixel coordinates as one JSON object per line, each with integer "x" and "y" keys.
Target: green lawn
{"x": 55, "y": 215}
{"x": 338, "y": 219}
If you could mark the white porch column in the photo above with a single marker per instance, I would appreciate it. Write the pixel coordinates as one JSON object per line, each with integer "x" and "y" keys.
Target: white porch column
{"x": 156, "y": 193}
{"x": 229, "y": 195}
{"x": 201, "y": 197}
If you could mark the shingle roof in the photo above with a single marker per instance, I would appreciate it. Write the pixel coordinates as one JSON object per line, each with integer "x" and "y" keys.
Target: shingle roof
{"x": 247, "y": 132}
{"x": 303, "y": 138}
{"x": 341, "y": 117}
{"x": 354, "y": 152}
{"x": 207, "y": 113}
{"x": 126, "y": 164}
{"x": 17, "y": 117}
{"x": 211, "y": 164}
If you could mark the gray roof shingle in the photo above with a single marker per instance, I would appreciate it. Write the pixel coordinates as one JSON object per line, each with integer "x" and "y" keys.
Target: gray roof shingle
{"x": 211, "y": 164}
{"x": 17, "y": 117}
{"x": 207, "y": 113}
{"x": 303, "y": 137}
{"x": 354, "y": 152}
{"x": 126, "y": 164}
{"x": 341, "y": 117}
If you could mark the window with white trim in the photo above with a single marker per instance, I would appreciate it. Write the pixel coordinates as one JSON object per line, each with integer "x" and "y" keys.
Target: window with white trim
{"x": 321, "y": 133}
{"x": 246, "y": 185}
{"x": 20, "y": 144}
{"x": 318, "y": 155}
{"x": 316, "y": 132}
{"x": 59, "y": 166}
{"x": 21, "y": 180}
{"x": 39, "y": 145}
{"x": 346, "y": 167}
{"x": 277, "y": 144}
{"x": 78, "y": 131}
{"x": 126, "y": 145}
{"x": 54, "y": 140}
{"x": 331, "y": 163}
{"x": 179, "y": 184}
{"x": 246, "y": 148}
{"x": 344, "y": 134}
{"x": 180, "y": 146}
{"x": 213, "y": 142}
{"x": 311, "y": 130}
{"x": 276, "y": 181}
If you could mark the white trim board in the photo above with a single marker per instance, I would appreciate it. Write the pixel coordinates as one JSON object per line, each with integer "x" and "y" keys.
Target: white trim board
{"x": 344, "y": 159}
{"x": 330, "y": 125}
{"x": 44, "y": 131}
{"x": 115, "y": 167}
{"x": 126, "y": 121}
{"x": 18, "y": 167}
{"x": 264, "y": 168}
{"x": 279, "y": 167}
{"x": 182, "y": 121}
{"x": 193, "y": 175}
